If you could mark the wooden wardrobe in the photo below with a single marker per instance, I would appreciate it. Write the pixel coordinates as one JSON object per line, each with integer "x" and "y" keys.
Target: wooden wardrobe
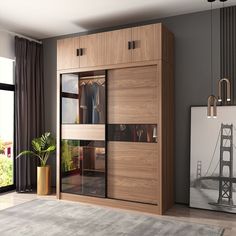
{"x": 136, "y": 136}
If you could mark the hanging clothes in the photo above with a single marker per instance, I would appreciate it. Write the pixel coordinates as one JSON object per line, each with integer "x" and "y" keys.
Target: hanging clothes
{"x": 101, "y": 106}
{"x": 95, "y": 103}
{"x": 86, "y": 103}
{"x": 83, "y": 103}
{"x": 92, "y": 103}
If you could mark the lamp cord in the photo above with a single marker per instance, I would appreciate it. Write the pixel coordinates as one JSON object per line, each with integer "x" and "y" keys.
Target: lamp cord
{"x": 211, "y": 51}
{"x": 223, "y": 49}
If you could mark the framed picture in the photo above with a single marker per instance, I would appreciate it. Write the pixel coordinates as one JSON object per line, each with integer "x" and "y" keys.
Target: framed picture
{"x": 213, "y": 159}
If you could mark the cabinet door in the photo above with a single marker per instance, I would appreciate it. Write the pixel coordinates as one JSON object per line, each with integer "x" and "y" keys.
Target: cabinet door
{"x": 117, "y": 47}
{"x": 146, "y": 42}
{"x": 133, "y": 172}
{"x": 93, "y": 50}
{"x": 67, "y": 53}
{"x": 132, "y": 95}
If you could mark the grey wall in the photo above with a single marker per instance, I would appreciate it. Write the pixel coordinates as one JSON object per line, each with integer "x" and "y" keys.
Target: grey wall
{"x": 7, "y": 45}
{"x": 192, "y": 82}
{"x": 50, "y": 85}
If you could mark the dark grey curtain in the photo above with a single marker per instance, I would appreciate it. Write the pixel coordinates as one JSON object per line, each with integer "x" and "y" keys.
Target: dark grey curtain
{"x": 228, "y": 46}
{"x": 29, "y": 115}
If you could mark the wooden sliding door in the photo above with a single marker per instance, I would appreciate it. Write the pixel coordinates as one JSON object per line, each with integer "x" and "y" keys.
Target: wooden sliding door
{"x": 133, "y": 162}
{"x": 132, "y": 171}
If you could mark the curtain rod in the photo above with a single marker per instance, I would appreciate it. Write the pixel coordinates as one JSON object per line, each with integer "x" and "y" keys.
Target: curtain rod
{"x": 21, "y": 35}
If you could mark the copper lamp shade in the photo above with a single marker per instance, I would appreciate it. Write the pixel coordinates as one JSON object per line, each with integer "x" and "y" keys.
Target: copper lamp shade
{"x": 220, "y": 84}
{"x": 211, "y": 107}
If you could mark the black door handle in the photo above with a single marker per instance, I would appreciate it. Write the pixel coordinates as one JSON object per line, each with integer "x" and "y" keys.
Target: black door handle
{"x": 78, "y": 52}
{"x": 133, "y": 44}
{"x": 129, "y": 45}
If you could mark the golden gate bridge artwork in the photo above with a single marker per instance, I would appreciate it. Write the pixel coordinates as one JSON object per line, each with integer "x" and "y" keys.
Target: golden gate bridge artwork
{"x": 219, "y": 173}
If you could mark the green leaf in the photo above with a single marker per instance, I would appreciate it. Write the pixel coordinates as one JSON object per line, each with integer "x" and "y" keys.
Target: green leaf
{"x": 23, "y": 153}
{"x": 33, "y": 154}
{"x": 36, "y": 145}
{"x": 50, "y": 149}
{"x": 45, "y": 140}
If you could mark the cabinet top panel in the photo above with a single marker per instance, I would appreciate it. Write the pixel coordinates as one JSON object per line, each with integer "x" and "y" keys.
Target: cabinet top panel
{"x": 123, "y": 46}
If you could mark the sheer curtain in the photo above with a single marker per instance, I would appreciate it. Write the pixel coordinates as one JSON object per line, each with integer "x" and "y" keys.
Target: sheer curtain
{"x": 29, "y": 116}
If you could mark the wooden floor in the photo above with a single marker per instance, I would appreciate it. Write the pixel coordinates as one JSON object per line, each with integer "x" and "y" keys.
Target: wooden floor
{"x": 178, "y": 212}
{"x": 224, "y": 220}
{"x": 12, "y": 198}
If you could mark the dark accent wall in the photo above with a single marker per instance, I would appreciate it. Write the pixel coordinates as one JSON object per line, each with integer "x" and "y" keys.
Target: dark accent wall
{"x": 192, "y": 82}
{"x": 228, "y": 46}
{"x": 50, "y": 92}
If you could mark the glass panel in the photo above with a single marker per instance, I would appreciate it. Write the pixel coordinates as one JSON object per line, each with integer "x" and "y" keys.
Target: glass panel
{"x": 70, "y": 108}
{"x": 83, "y": 167}
{"x": 70, "y": 83}
{"x": 6, "y": 70}
{"x": 83, "y": 98}
{"x": 92, "y": 101}
{"x": 6, "y": 137}
{"x": 132, "y": 133}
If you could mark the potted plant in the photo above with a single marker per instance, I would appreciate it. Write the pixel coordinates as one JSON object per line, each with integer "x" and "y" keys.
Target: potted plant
{"x": 42, "y": 148}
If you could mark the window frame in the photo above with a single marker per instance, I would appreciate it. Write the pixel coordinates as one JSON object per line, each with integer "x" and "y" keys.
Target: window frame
{"x": 11, "y": 88}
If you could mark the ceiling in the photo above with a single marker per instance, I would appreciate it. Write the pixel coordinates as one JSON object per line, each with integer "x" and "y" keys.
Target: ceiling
{"x": 49, "y": 18}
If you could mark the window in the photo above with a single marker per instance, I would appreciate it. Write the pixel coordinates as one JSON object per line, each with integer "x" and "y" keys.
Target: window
{"x": 6, "y": 123}
{"x": 6, "y": 71}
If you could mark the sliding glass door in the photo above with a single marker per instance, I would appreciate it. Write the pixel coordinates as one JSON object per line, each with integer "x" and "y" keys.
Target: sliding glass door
{"x": 7, "y": 89}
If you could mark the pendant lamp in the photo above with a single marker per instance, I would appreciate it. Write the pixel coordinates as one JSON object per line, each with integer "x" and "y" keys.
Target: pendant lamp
{"x": 228, "y": 88}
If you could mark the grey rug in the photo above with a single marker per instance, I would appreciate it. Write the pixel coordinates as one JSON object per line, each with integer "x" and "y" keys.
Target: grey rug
{"x": 60, "y": 218}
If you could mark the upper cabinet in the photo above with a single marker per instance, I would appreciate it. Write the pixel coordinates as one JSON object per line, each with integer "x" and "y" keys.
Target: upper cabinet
{"x": 145, "y": 40}
{"x": 137, "y": 44}
{"x": 92, "y": 50}
{"x": 118, "y": 46}
{"x": 67, "y": 53}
